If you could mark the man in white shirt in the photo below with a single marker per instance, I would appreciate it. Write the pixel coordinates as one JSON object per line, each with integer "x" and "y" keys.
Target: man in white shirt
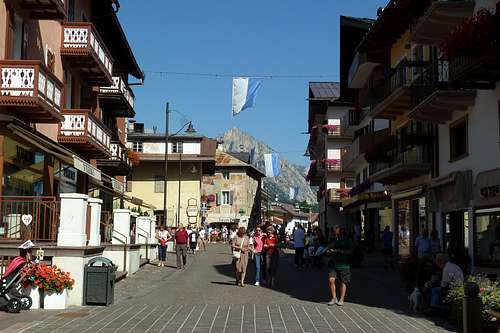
{"x": 451, "y": 274}
{"x": 298, "y": 244}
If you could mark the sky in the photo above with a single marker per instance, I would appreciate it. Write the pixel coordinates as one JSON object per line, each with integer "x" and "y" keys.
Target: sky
{"x": 259, "y": 37}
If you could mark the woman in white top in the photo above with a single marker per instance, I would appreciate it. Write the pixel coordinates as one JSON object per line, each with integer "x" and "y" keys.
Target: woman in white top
{"x": 163, "y": 237}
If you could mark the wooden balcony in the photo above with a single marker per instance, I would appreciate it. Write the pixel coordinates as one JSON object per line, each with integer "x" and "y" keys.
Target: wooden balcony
{"x": 44, "y": 9}
{"x": 403, "y": 166}
{"x": 117, "y": 99}
{"x": 83, "y": 49}
{"x": 84, "y": 133}
{"x": 118, "y": 164}
{"x": 334, "y": 196}
{"x": 439, "y": 19}
{"x": 360, "y": 71}
{"x": 395, "y": 99}
{"x": 44, "y": 212}
{"x": 433, "y": 99}
{"x": 30, "y": 91}
{"x": 337, "y": 132}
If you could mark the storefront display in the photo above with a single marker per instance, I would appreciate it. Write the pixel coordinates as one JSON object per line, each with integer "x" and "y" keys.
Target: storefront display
{"x": 487, "y": 232}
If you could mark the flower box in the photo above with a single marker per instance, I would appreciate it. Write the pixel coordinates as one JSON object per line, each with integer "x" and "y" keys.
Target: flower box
{"x": 55, "y": 301}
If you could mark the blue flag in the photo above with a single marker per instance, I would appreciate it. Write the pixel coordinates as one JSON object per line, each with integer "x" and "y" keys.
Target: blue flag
{"x": 244, "y": 92}
{"x": 272, "y": 163}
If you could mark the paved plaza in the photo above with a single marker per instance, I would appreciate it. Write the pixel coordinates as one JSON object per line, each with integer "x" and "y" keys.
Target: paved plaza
{"x": 204, "y": 298}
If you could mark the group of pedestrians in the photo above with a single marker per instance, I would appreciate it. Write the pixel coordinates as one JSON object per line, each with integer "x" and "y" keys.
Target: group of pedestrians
{"x": 185, "y": 240}
{"x": 261, "y": 247}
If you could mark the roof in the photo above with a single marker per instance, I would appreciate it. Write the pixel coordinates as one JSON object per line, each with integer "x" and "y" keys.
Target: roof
{"x": 324, "y": 90}
{"x": 109, "y": 28}
{"x": 242, "y": 156}
{"x": 395, "y": 18}
{"x": 161, "y": 136}
{"x": 223, "y": 159}
{"x": 358, "y": 22}
{"x": 285, "y": 208}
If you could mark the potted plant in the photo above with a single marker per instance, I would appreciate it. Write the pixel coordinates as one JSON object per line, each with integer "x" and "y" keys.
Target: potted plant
{"x": 489, "y": 292}
{"x": 52, "y": 284}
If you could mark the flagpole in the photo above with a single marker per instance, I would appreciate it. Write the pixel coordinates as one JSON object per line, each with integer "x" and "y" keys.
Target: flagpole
{"x": 167, "y": 115}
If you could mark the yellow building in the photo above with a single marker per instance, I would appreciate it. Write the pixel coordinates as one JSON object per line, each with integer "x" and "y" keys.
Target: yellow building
{"x": 190, "y": 156}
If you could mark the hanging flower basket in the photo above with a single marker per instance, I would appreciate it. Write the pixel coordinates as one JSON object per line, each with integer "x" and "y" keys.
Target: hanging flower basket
{"x": 342, "y": 193}
{"x": 134, "y": 157}
{"x": 473, "y": 36}
{"x": 331, "y": 129}
{"x": 332, "y": 164}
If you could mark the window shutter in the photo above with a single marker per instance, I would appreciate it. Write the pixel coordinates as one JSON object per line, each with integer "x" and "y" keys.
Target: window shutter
{"x": 231, "y": 195}
{"x": 129, "y": 185}
{"x": 217, "y": 198}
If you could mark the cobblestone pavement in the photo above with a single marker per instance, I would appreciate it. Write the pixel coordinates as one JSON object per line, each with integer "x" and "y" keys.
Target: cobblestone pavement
{"x": 204, "y": 298}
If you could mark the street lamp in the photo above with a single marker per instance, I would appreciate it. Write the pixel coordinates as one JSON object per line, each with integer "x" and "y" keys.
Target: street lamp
{"x": 190, "y": 129}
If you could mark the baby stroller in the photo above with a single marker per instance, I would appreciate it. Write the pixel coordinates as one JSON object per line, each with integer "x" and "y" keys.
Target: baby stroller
{"x": 11, "y": 297}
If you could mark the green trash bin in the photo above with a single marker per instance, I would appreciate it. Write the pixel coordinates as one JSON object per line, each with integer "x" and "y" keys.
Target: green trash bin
{"x": 99, "y": 282}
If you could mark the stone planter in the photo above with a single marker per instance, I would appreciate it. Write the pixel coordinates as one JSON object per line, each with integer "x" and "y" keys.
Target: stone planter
{"x": 55, "y": 301}
{"x": 34, "y": 293}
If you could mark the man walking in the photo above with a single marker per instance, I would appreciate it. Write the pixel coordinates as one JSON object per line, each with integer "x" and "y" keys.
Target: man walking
{"x": 181, "y": 240}
{"x": 298, "y": 244}
{"x": 339, "y": 249}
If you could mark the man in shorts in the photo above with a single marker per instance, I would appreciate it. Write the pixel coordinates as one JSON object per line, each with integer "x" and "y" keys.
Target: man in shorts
{"x": 339, "y": 250}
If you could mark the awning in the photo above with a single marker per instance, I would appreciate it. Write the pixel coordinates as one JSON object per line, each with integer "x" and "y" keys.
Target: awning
{"x": 42, "y": 142}
{"x": 451, "y": 192}
{"x": 407, "y": 193}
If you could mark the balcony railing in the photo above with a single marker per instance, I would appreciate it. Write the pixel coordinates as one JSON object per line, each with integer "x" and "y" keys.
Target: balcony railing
{"x": 119, "y": 164}
{"x": 23, "y": 218}
{"x": 44, "y": 10}
{"x": 31, "y": 90}
{"x": 333, "y": 164}
{"x": 118, "y": 98}
{"x": 85, "y": 132}
{"x": 402, "y": 166}
{"x": 433, "y": 99}
{"x": 395, "y": 98}
{"x": 84, "y": 49}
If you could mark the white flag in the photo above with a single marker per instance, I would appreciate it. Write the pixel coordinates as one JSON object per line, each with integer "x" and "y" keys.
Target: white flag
{"x": 244, "y": 92}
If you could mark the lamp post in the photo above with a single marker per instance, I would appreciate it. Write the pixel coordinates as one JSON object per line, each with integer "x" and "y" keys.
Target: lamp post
{"x": 167, "y": 116}
{"x": 190, "y": 129}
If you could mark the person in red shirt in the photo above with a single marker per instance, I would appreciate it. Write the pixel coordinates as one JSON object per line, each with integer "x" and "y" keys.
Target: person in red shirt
{"x": 258, "y": 250}
{"x": 272, "y": 255}
{"x": 181, "y": 240}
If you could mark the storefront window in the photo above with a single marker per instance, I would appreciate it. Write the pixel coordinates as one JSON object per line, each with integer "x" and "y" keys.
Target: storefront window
{"x": 404, "y": 228}
{"x": 67, "y": 178}
{"x": 23, "y": 169}
{"x": 488, "y": 238}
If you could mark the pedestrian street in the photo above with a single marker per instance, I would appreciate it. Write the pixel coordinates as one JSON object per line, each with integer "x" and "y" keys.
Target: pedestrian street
{"x": 204, "y": 298}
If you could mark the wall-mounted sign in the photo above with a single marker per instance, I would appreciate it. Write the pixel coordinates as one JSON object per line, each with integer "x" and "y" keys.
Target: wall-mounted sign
{"x": 86, "y": 168}
{"x": 490, "y": 191}
{"x": 27, "y": 219}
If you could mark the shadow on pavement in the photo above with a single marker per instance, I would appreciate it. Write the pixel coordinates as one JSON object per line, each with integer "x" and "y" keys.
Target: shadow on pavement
{"x": 371, "y": 285}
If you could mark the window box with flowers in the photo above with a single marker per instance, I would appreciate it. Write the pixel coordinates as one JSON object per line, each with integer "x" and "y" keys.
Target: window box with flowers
{"x": 52, "y": 284}
{"x": 332, "y": 164}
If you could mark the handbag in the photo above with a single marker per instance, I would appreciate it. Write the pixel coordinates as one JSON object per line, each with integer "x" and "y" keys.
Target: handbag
{"x": 237, "y": 253}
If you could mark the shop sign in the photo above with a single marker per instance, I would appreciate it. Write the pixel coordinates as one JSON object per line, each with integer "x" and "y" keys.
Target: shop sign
{"x": 490, "y": 191}
{"x": 192, "y": 211}
{"x": 86, "y": 168}
{"x": 117, "y": 185}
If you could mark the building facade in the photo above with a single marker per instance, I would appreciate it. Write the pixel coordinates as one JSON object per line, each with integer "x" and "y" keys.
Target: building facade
{"x": 440, "y": 97}
{"x": 232, "y": 196}
{"x": 190, "y": 157}
{"x": 64, "y": 98}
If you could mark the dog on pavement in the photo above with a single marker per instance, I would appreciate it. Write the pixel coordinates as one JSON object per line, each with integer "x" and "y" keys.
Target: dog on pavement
{"x": 415, "y": 301}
